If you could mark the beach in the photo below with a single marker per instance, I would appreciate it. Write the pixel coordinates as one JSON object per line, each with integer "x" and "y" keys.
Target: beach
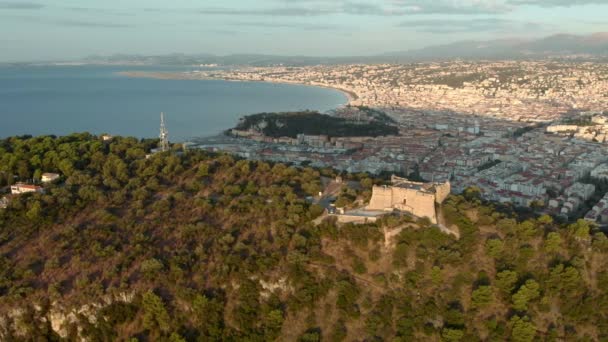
{"x": 349, "y": 94}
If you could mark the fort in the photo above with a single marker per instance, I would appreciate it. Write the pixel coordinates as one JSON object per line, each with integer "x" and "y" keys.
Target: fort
{"x": 416, "y": 198}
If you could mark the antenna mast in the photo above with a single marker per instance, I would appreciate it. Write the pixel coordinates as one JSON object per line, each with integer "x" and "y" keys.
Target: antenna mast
{"x": 164, "y": 134}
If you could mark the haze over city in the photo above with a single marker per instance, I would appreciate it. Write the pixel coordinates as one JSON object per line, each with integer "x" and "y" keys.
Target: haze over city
{"x": 68, "y": 29}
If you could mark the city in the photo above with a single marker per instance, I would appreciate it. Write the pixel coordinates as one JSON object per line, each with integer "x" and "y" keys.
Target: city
{"x": 520, "y": 136}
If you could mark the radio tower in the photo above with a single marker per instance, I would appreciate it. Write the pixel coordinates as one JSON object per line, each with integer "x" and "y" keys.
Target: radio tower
{"x": 164, "y": 135}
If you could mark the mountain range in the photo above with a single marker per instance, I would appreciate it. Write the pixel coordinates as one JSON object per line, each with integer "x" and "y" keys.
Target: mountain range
{"x": 555, "y": 46}
{"x": 560, "y": 45}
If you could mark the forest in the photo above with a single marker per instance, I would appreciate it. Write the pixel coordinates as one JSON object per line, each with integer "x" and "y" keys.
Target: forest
{"x": 194, "y": 246}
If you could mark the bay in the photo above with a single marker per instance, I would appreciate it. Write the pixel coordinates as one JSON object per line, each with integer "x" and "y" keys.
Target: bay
{"x": 60, "y": 100}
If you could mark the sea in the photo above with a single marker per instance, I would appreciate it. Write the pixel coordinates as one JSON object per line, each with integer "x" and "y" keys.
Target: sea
{"x": 59, "y": 100}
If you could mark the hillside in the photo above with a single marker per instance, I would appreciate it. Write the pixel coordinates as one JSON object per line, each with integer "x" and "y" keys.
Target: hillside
{"x": 205, "y": 247}
{"x": 291, "y": 124}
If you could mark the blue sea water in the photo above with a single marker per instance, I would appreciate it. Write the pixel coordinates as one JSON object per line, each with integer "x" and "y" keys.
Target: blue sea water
{"x": 61, "y": 100}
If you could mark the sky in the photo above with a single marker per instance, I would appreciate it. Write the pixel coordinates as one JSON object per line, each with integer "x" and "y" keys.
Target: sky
{"x": 36, "y": 30}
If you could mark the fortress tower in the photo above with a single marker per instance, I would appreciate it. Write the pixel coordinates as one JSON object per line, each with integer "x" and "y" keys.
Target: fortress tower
{"x": 419, "y": 199}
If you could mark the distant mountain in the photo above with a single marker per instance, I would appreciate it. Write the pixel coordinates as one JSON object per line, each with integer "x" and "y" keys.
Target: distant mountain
{"x": 570, "y": 44}
{"x": 559, "y": 45}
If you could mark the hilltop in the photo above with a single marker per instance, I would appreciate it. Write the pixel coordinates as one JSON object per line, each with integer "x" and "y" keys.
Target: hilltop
{"x": 291, "y": 124}
{"x": 203, "y": 247}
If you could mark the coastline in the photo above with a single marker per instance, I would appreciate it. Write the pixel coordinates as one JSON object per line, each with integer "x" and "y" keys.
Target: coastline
{"x": 350, "y": 95}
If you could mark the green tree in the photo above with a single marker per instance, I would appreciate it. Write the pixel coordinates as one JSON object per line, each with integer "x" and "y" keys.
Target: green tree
{"x": 600, "y": 242}
{"x": 155, "y": 313}
{"x": 553, "y": 243}
{"x": 436, "y": 276}
{"x": 37, "y": 174}
{"x": 273, "y": 323}
{"x": 526, "y": 293}
{"x": 522, "y": 330}
{"x": 505, "y": 281}
{"x": 348, "y": 293}
{"x": 34, "y": 212}
{"x": 151, "y": 267}
{"x": 566, "y": 280}
{"x": 580, "y": 230}
{"x": 526, "y": 230}
{"x": 207, "y": 315}
{"x": 175, "y": 337}
{"x": 451, "y": 334}
{"x": 482, "y": 296}
{"x": 495, "y": 248}
{"x": 310, "y": 336}
{"x": 359, "y": 266}
{"x": 472, "y": 193}
{"x": 545, "y": 220}
{"x": 203, "y": 170}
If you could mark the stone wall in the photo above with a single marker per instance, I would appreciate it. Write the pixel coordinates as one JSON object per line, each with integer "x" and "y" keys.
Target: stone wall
{"x": 418, "y": 203}
{"x": 382, "y": 198}
{"x": 356, "y": 219}
{"x": 442, "y": 191}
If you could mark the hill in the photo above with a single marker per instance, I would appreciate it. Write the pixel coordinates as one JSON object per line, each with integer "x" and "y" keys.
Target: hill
{"x": 291, "y": 124}
{"x": 206, "y": 247}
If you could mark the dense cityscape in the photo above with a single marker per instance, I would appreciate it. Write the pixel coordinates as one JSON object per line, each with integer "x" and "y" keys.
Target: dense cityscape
{"x": 527, "y": 133}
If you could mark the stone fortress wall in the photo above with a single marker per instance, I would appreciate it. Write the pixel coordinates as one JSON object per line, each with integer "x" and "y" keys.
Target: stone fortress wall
{"x": 419, "y": 199}
{"x": 442, "y": 191}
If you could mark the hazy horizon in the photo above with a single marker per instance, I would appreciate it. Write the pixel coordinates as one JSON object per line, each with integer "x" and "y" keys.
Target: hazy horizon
{"x": 69, "y": 29}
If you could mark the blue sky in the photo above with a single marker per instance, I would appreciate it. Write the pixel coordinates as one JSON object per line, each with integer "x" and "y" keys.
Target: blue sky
{"x": 68, "y": 29}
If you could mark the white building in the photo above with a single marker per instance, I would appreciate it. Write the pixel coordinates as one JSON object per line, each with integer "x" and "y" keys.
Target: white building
{"x": 21, "y": 188}
{"x": 49, "y": 177}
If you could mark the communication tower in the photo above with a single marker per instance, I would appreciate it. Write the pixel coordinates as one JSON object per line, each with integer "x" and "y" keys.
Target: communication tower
{"x": 164, "y": 135}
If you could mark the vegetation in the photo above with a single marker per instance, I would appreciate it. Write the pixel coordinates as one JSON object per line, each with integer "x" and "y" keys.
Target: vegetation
{"x": 523, "y": 130}
{"x": 580, "y": 120}
{"x": 372, "y": 114}
{"x": 458, "y": 80}
{"x": 312, "y": 123}
{"x": 205, "y": 247}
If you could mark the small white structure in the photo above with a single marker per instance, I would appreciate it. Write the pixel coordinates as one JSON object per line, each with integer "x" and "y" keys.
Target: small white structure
{"x": 4, "y": 202}
{"x": 21, "y": 188}
{"x": 107, "y": 137}
{"x": 49, "y": 177}
{"x": 553, "y": 203}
